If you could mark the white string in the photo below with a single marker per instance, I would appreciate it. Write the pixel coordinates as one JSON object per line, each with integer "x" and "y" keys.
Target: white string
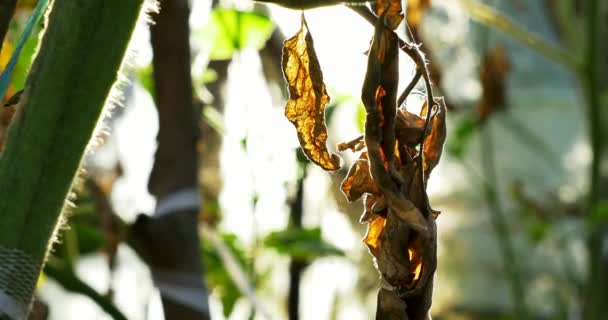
{"x": 185, "y": 199}
{"x": 185, "y": 288}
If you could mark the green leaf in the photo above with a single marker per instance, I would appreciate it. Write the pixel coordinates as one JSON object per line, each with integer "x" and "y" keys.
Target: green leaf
{"x": 361, "y": 114}
{"x": 459, "y": 140}
{"x": 231, "y": 30}
{"x": 599, "y": 214}
{"x": 216, "y": 275}
{"x": 145, "y": 78}
{"x": 537, "y": 229}
{"x": 305, "y": 244}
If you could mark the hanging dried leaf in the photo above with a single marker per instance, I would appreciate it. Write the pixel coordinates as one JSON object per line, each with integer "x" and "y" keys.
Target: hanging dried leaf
{"x": 433, "y": 143}
{"x": 358, "y": 180}
{"x": 493, "y": 77}
{"x": 307, "y": 98}
{"x": 392, "y": 11}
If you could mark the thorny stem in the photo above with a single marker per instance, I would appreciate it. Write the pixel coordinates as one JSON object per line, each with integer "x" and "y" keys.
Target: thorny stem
{"x": 498, "y": 221}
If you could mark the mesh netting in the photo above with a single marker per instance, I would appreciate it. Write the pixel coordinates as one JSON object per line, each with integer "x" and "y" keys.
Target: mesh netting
{"x": 18, "y": 276}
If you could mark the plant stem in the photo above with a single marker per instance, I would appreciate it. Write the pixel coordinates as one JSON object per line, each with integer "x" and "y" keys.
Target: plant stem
{"x": 65, "y": 92}
{"x": 488, "y": 16}
{"x": 597, "y": 285}
{"x": 69, "y": 281}
{"x": 499, "y": 223}
{"x": 296, "y": 267}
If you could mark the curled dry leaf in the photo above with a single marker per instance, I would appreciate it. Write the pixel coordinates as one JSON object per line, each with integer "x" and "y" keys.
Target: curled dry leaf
{"x": 391, "y": 10}
{"x": 408, "y": 128}
{"x": 433, "y": 143}
{"x": 358, "y": 180}
{"x": 307, "y": 98}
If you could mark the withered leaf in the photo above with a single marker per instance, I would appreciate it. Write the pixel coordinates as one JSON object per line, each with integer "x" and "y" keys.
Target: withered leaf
{"x": 409, "y": 128}
{"x": 379, "y": 96}
{"x": 354, "y": 145}
{"x": 493, "y": 75}
{"x": 433, "y": 143}
{"x": 374, "y": 231}
{"x": 373, "y": 205}
{"x": 358, "y": 180}
{"x": 415, "y": 11}
{"x": 392, "y": 11}
{"x": 307, "y": 97}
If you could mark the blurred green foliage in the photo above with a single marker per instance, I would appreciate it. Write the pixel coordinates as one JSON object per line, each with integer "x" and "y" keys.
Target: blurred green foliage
{"x": 231, "y": 30}
{"x": 302, "y": 244}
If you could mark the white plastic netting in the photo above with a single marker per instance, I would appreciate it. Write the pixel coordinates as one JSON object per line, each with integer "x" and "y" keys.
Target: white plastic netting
{"x": 18, "y": 276}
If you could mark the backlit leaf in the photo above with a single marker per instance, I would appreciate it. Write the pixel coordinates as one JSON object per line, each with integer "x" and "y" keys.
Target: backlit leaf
{"x": 392, "y": 11}
{"x": 358, "y": 180}
{"x": 433, "y": 143}
{"x": 374, "y": 233}
{"x": 307, "y": 98}
{"x": 231, "y": 30}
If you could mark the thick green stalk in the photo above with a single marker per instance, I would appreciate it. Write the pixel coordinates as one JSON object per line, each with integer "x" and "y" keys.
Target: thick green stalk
{"x": 597, "y": 285}
{"x": 69, "y": 83}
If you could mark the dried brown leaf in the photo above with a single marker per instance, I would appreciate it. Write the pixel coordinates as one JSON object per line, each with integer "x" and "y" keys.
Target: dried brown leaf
{"x": 307, "y": 98}
{"x": 493, "y": 75}
{"x": 409, "y": 128}
{"x": 374, "y": 233}
{"x": 433, "y": 143}
{"x": 392, "y": 11}
{"x": 373, "y": 205}
{"x": 379, "y": 96}
{"x": 358, "y": 180}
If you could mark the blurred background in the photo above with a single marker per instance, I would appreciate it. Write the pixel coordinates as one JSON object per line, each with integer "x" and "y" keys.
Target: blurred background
{"x": 277, "y": 238}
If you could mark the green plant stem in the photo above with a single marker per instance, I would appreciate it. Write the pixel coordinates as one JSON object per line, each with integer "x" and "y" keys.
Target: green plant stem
{"x": 597, "y": 285}
{"x": 486, "y": 15}
{"x": 499, "y": 224}
{"x": 77, "y": 64}
{"x": 69, "y": 281}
